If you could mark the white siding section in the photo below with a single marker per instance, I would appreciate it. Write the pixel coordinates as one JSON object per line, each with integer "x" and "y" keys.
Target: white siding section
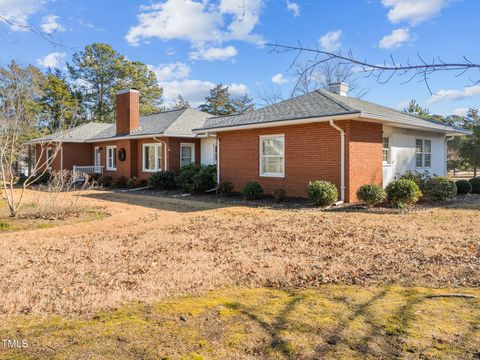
{"x": 207, "y": 155}
{"x": 402, "y": 144}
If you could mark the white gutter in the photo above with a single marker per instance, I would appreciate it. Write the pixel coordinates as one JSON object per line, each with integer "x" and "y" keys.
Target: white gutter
{"x": 342, "y": 159}
{"x": 166, "y": 151}
{"x": 447, "y": 139}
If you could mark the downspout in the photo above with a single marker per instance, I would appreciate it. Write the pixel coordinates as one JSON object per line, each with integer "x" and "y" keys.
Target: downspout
{"x": 342, "y": 160}
{"x": 218, "y": 161}
{"x": 447, "y": 139}
{"x": 166, "y": 151}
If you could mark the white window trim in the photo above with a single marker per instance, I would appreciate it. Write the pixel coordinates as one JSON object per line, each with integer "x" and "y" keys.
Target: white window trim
{"x": 423, "y": 153}
{"x": 157, "y": 168}
{"x": 191, "y": 145}
{"x": 389, "y": 162}
{"x": 260, "y": 162}
{"x": 107, "y": 148}
{"x": 95, "y": 151}
{"x": 48, "y": 159}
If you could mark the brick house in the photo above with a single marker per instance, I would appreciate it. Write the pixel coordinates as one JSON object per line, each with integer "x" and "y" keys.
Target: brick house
{"x": 323, "y": 135}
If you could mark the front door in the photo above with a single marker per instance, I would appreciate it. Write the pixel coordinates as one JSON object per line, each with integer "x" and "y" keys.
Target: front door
{"x": 97, "y": 160}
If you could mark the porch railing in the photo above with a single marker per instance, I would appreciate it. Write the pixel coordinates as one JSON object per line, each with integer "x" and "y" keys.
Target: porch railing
{"x": 80, "y": 171}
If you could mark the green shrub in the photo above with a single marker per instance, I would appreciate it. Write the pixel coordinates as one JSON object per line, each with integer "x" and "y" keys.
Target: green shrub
{"x": 105, "y": 180}
{"x": 464, "y": 186}
{"x": 132, "y": 182}
{"x": 439, "y": 188}
{"x": 44, "y": 178}
{"x": 278, "y": 195}
{"x": 371, "y": 194}
{"x": 184, "y": 179}
{"x": 252, "y": 190}
{"x": 119, "y": 182}
{"x": 94, "y": 177}
{"x": 475, "y": 182}
{"x": 419, "y": 178}
{"x": 225, "y": 188}
{"x": 453, "y": 184}
{"x": 403, "y": 192}
{"x": 163, "y": 180}
{"x": 322, "y": 193}
{"x": 205, "y": 179}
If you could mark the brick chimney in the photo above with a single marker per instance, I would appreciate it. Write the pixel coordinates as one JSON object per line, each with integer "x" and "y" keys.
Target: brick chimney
{"x": 127, "y": 111}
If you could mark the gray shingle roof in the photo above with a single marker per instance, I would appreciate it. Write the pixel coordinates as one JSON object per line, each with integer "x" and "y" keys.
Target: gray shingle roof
{"x": 174, "y": 123}
{"x": 316, "y": 104}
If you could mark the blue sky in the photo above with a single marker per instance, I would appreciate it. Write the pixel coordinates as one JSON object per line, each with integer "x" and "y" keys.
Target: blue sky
{"x": 192, "y": 45}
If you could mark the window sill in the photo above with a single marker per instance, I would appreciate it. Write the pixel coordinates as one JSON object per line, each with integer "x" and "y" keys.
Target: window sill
{"x": 272, "y": 176}
{"x": 111, "y": 169}
{"x": 151, "y": 171}
{"x": 387, "y": 164}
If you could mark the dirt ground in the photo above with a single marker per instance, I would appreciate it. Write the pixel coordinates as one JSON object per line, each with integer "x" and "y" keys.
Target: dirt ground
{"x": 152, "y": 248}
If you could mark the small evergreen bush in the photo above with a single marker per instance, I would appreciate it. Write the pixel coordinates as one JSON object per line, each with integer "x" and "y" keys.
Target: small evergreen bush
{"x": 225, "y": 188}
{"x": 105, "y": 180}
{"x": 464, "y": 186}
{"x": 475, "y": 182}
{"x": 119, "y": 182}
{"x": 419, "y": 178}
{"x": 205, "y": 179}
{"x": 371, "y": 194}
{"x": 403, "y": 192}
{"x": 44, "y": 178}
{"x": 322, "y": 193}
{"x": 184, "y": 179}
{"x": 278, "y": 195}
{"x": 252, "y": 190}
{"x": 163, "y": 180}
{"x": 439, "y": 188}
{"x": 132, "y": 182}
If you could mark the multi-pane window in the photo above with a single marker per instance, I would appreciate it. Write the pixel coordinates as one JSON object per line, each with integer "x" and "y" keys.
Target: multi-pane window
{"x": 423, "y": 153}
{"x": 152, "y": 157}
{"x": 111, "y": 158}
{"x": 272, "y": 155}
{"x": 187, "y": 154}
{"x": 386, "y": 150}
{"x": 49, "y": 156}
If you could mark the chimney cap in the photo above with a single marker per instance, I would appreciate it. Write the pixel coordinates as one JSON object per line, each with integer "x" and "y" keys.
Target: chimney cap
{"x": 339, "y": 88}
{"x": 125, "y": 91}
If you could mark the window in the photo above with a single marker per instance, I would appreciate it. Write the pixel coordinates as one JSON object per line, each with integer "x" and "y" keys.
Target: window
{"x": 49, "y": 157}
{"x": 187, "y": 154}
{"x": 112, "y": 158}
{"x": 272, "y": 158}
{"x": 215, "y": 154}
{"x": 386, "y": 150}
{"x": 152, "y": 157}
{"x": 98, "y": 156}
{"x": 423, "y": 153}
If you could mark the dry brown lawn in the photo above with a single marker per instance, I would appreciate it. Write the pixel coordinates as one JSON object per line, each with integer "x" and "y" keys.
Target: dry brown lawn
{"x": 152, "y": 248}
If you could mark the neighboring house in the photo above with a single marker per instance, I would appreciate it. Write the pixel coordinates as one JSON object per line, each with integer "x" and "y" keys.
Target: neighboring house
{"x": 320, "y": 135}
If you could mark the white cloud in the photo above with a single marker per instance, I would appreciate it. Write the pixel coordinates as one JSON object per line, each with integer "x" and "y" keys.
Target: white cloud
{"x": 331, "y": 41}
{"x": 17, "y": 12}
{"x": 50, "y": 24}
{"x": 195, "y": 91}
{"x": 279, "y": 79}
{"x": 52, "y": 60}
{"x": 413, "y": 11}
{"x": 468, "y": 92}
{"x": 200, "y": 23}
{"x": 173, "y": 71}
{"x": 460, "y": 111}
{"x": 395, "y": 39}
{"x": 294, "y": 8}
{"x": 213, "y": 53}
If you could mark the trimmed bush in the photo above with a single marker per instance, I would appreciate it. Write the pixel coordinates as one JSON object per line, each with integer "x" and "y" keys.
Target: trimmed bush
{"x": 132, "y": 182}
{"x": 252, "y": 190}
{"x": 44, "y": 178}
{"x": 163, "y": 180}
{"x": 454, "y": 188}
{"x": 403, "y": 192}
{"x": 119, "y": 182}
{"x": 205, "y": 179}
{"x": 278, "y": 195}
{"x": 142, "y": 183}
{"x": 184, "y": 179}
{"x": 371, "y": 194}
{"x": 439, "y": 188}
{"x": 322, "y": 193}
{"x": 419, "y": 178}
{"x": 475, "y": 182}
{"x": 105, "y": 180}
{"x": 464, "y": 186}
{"x": 225, "y": 188}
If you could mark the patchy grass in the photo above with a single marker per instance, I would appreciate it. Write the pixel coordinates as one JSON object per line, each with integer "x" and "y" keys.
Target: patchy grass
{"x": 331, "y": 322}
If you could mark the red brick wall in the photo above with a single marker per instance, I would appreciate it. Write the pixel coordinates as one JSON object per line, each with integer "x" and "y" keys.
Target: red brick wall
{"x": 73, "y": 154}
{"x": 312, "y": 152}
{"x": 127, "y": 112}
{"x": 174, "y": 153}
